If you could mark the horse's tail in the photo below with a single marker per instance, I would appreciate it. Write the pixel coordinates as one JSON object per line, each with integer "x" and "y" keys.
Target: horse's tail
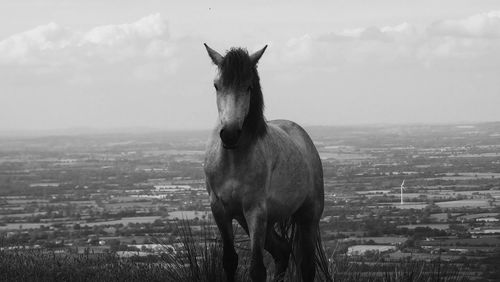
{"x": 290, "y": 232}
{"x": 321, "y": 260}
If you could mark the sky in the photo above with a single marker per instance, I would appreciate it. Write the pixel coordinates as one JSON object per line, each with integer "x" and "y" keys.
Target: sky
{"x": 129, "y": 64}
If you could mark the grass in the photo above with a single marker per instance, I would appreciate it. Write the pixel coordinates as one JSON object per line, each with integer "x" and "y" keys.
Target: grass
{"x": 48, "y": 266}
{"x": 199, "y": 259}
{"x": 404, "y": 270}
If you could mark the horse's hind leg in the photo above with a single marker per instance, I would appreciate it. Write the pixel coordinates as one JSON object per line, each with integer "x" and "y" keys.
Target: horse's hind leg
{"x": 306, "y": 250}
{"x": 229, "y": 256}
{"x": 280, "y": 249}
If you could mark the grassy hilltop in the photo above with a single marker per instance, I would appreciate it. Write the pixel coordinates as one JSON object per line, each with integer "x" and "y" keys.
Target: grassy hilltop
{"x": 194, "y": 260}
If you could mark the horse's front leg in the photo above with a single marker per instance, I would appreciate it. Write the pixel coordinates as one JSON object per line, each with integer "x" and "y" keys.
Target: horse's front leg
{"x": 256, "y": 218}
{"x": 229, "y": 256}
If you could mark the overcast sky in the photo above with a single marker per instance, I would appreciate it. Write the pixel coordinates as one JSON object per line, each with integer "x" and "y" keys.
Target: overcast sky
{"x": 121, "y": 64}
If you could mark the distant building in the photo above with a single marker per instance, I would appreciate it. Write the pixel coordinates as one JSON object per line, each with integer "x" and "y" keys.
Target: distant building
{"x": 48, "y": 184}
{"x": 488, "y": 219}
{"x": 170, "y": 187}
{"x": 359, "y": 250}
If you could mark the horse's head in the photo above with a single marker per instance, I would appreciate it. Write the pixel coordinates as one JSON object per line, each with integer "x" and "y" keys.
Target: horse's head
{"x": 239, "y": 98}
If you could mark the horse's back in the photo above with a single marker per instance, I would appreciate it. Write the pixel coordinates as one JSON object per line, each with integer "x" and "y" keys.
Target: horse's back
{"x": 302, "y": 140}
{"x": 297, "y": 134}
{"x": 304, "y": 146}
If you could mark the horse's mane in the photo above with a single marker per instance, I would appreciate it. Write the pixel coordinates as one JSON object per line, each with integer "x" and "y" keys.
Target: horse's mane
{"x": 237, "y": 69}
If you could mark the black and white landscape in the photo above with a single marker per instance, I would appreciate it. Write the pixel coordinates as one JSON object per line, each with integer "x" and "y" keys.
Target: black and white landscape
{"x": 106, "y": 108}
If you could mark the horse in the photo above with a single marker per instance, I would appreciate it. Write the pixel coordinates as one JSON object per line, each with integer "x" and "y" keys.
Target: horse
{"x": 265, "y": 175}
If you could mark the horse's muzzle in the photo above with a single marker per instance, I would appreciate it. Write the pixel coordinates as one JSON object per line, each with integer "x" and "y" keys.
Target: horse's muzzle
{"x": 230, "y": 137}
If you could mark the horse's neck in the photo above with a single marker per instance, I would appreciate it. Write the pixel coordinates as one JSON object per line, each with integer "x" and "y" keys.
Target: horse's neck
{"x": 255, "y": 122}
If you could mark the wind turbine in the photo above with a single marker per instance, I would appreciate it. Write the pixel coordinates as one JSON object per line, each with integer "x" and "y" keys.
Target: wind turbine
{"x": 402, "y": 188}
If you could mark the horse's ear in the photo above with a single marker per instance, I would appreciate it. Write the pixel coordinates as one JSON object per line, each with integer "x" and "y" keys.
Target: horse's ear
{"x": 216, "y": 57}
{"x": 255, "y": 57}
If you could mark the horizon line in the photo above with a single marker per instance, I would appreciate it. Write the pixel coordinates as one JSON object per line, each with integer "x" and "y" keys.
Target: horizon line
{"x": 87, "y": 130}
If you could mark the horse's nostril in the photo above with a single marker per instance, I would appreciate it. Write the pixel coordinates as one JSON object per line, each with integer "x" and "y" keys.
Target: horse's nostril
{"x": 230, "y": 137}
{"x": 222, "y": 135}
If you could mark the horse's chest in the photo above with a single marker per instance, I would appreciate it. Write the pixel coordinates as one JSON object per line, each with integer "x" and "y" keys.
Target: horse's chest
{"x": 231, "y": 183}
{"x": 229, "y": 192}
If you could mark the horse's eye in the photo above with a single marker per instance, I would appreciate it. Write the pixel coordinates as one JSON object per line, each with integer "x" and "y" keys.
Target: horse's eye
{"x": 216, "y": 88}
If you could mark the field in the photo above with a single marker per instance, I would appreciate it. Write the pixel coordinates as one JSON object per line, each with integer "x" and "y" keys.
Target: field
{"x": 362, "y": 249}
{"x": 343, "y": 156}
{"x": 125, "y": 221}
{"x": 184, "y": 215}
{"x": 432, "y": 226}
{"x": 417, "y": 206}
{"x": 21, "y": 215}
{"x": 478, "y": 215}
{"x": 188, "y": 214}
{"x": 464, "y": 203}
{"x": 442, "y": 216}
{"x": 386, "y": 240}
{"x": 484, "y": 241}
{"x": 15, "y": 226}
{"x": 397, "y": 256}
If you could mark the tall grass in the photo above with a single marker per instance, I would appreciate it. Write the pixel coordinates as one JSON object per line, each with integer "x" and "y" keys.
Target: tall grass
{"x": 196, "y": 260}
{"x": 39, "y": 265}
{"x": 345, "y": 270}
{"x": 199, "y": 259}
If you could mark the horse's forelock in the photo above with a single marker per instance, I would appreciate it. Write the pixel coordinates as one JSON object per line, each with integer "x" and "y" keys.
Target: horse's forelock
{"x": 236, "y": 68}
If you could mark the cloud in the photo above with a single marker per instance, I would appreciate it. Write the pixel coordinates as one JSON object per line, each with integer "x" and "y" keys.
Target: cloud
{"x": 467, "y": 43}
{"x": 482, "y": 25}
{"x": 353, "y": 47}
{"x": 144, "y": 46}
{"x": 25, "y": 47}
{"x": 148, "y": 28}
{"x": 386, "y": 33}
